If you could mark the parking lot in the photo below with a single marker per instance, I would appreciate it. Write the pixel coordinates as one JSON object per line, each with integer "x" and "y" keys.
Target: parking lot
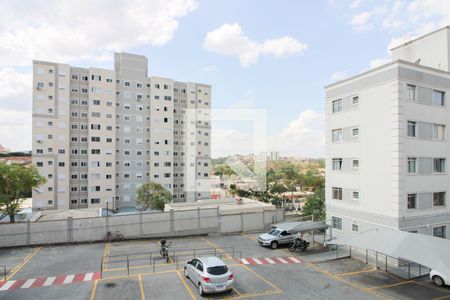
{"x": 134, "y": 270}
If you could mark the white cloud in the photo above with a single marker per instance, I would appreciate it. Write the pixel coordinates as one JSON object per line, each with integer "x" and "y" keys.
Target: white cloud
{"x": 230, "y": 40}
{"x": 210, "y": 68}
{"x": 247, "y": 100}
{"x": 72, "y": 30}
{"x": 378, "y": 62}
{"x": 15, "y": 129}
{"x": 15, "y": 89}
{"x": 338, "y": 75}
{"x": 303, "y": 136}
{"x": 355, "y": 4}
{"x": 362, "y": 21}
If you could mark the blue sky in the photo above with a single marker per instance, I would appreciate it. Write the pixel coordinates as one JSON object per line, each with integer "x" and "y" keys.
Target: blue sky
{"x": 309, "y": 44}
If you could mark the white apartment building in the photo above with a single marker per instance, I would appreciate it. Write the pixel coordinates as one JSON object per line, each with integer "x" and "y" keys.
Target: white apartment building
{"x": 100, "y": 134}
{"x": 387, "y": 143}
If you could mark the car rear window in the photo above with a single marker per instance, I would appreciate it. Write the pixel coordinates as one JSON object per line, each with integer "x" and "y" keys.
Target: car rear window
{"x": 218, "y": 270}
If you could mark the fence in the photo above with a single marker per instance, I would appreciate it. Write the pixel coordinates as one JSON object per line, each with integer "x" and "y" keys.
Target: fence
{"x": 142, "y": 225}
{"x": 397, "y": 266}
{"x": 148, "y": 260}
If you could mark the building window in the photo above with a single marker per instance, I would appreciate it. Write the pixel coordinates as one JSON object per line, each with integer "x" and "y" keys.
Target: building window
{"x": 412, "y": 162}
{"x": 95, "y": 200}
{"x": 355, "y": 100}
{"x": 336, "y": 223}
{"x": 355, "y": 132}
{"x": 439, "y": 165}
{"x": 439, "y": 199}
{"x": 438, "y": 132}
{"x": 412, "y": 201}
{"x": 337, "y": 106}
{"x": 337, "y": 164}
{"x": 440, "y": 231}
{"x": 355, "y": 163}
{"x": 355, "y": 195}
{"x": 336, "y": 135}
{"x": 411, "y": 92}
{"x": 412, "y": 132}
{"x": 337, "y": 193}
{"x": 438, "y": 98}
{"x": 355, "y": 227}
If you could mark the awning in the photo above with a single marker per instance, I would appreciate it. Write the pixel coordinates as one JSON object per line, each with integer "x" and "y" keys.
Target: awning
{"x": 429, "y": 251}
{"x": 296, "y": 227}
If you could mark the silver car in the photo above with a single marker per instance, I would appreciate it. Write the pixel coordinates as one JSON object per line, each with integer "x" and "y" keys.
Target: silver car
{"x": 209, "y": 274}
{"x": 274, "y": 237}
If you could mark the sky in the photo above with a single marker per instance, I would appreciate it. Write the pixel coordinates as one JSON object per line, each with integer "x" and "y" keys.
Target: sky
{"x": 270, "y": 55}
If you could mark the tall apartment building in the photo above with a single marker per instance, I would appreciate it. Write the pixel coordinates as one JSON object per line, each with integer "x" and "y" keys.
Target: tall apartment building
{"x": 100, "y": 134}
{"x": 387, "y": 143}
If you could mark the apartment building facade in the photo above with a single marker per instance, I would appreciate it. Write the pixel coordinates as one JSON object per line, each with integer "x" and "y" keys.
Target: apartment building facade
{"x": 387, "y": 143}
{"x": 99, "y": 134}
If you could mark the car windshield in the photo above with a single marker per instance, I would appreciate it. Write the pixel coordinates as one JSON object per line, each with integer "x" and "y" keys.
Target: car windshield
{"x": 274, "y": 231}
{"x": 217, "y": 270}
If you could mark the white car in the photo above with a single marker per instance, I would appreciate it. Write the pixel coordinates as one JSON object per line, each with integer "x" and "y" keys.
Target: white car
{"x": 209, "y": 274}
{"x": 439, "y": 279}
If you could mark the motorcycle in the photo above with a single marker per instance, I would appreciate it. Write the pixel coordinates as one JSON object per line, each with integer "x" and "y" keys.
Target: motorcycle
{"x": 299, "y": 244}
{"x": 164, "y": 251}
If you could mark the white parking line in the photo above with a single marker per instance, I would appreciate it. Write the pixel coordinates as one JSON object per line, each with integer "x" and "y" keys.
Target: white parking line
{"x": 68, "y": 279}
{"x": 7, "y": 285}
{"x": 282, "y": 260}
{"x": 88, "y": 276}
{"x": 257, "y": 261}
{"x": 49, "y": 281}
{"x": 270, "y": 261}
{"x": 28, "y": 283}
{"x": 294, "y": 259}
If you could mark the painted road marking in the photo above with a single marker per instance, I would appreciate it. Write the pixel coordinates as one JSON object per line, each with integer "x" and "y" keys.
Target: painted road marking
{"x": 294, "y": 259}
{"x": 282, "y": 260}
{"x": 28, "y": 283}
{"x": 269, "y": 260}
{"x": 68, "y": 279}
{"x": 7, "y": 285}
{"x": 48, "y": 281}
{"x": 88, "y": 276}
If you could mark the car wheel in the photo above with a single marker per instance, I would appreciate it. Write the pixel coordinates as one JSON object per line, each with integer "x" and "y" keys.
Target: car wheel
{"x": 200, "y": 289}
{"x": 437, "y": 280}
{"x": 186, "y": 273}
{"x": 274, "y": 245}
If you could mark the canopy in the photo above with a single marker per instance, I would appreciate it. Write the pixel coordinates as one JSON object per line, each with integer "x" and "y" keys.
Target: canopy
{"x": 296, "y": 227}
{"x": 429, "y": 251}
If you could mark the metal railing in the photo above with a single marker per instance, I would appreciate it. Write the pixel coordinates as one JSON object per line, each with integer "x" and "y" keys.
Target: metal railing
{"x": 152, "y": 257}
{"x": 4, "y": 272}
{"x": 397, "y": 266}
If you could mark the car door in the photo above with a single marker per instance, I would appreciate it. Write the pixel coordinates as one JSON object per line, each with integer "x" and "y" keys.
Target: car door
{"x": 285, "y": 237}
{"x": 198, "y": 271}
{"x": 191, "y": 268}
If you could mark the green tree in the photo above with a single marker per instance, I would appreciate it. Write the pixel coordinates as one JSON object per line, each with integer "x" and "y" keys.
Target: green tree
{"x": 315, "y": 205}
{"x": 16, "y": 181}
{"x": 152, "y": 195}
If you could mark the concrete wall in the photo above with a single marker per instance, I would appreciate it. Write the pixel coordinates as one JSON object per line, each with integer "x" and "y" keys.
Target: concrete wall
{"x": 148, "y": 225}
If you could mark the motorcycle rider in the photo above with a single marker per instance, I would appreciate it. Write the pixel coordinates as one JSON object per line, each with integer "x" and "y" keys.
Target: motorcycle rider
{"x": 164, "y": 251}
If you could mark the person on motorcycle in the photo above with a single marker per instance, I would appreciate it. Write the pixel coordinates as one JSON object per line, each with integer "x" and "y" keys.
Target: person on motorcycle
{"x": 164, "y": 251}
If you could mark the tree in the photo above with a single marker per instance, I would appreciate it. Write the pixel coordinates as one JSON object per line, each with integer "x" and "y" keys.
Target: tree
{"x": 152, "y": 195}
{"x": 16, "y": 181}
{"x": 315, "y": 205}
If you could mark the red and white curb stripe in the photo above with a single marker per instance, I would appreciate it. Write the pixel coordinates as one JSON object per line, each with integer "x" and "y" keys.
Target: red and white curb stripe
{"x": 47, "y": 281}
{"x": 269, "y": 260}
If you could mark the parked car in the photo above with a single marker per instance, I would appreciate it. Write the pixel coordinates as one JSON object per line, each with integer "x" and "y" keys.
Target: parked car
{"x": 439, "y": 279}
{"x": 274, "y": 237}
{"x": 209, "y": 274}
